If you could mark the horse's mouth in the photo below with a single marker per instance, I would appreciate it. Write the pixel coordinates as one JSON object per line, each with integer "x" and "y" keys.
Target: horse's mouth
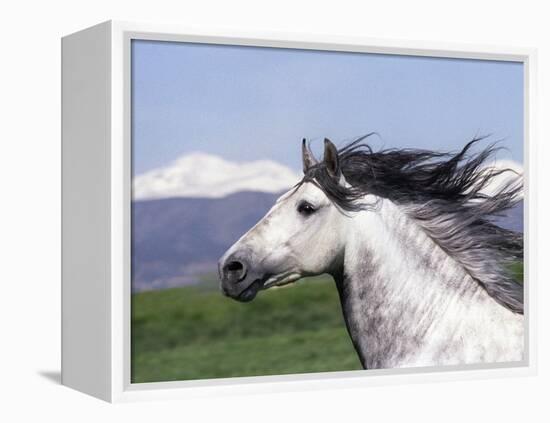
{"x": 249, "y": 293}
{"x": 268, "y": 281}
{"x": 280, "y": 280}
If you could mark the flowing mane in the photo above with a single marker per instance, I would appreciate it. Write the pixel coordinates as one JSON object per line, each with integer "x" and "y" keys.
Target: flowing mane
{"x": 444, "y": 193}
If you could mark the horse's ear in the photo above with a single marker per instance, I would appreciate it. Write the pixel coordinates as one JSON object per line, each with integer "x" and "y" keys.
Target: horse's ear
{"x": 331, "y": 159}
{"x": 307, "y": 157}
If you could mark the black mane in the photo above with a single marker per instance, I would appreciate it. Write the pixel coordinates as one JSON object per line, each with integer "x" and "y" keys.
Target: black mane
{"x": 443, "y": 192}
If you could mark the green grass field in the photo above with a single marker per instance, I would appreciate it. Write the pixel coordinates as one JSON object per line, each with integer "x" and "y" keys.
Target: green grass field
{"x": 196, "y": 333}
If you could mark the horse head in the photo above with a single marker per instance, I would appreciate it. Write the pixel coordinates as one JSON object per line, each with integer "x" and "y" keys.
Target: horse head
{"x": 302, "y": 235}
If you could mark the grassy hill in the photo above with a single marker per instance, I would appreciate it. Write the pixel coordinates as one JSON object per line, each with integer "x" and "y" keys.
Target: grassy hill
{"x": 196, "y": 333}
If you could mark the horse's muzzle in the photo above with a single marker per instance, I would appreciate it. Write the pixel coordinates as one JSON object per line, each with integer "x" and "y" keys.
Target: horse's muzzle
{"x": 237, "y": 281}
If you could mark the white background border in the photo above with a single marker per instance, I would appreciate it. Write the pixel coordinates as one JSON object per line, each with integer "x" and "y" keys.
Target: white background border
{"x": 30, "y": 214}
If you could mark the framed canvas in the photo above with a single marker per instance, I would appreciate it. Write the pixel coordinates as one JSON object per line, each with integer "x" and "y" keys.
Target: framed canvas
{"x": 265, "y": 212}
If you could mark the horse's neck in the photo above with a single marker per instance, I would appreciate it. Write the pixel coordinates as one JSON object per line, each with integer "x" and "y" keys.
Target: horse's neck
{"x": 406, "y": 302}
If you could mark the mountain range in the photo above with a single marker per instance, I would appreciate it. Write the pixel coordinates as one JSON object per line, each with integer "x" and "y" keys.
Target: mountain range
{"x": 207, "y": 176}
{"x": 176, "y": 239}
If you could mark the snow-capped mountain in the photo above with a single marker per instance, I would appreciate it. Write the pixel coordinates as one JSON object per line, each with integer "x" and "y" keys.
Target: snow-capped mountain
{"x": 201, "y": 175}
{"x": 499, "y": 181}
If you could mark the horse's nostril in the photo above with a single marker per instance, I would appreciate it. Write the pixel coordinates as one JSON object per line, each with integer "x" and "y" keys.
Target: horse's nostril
{"x": 234, "y": 271}
{"x": 234, "y": 266}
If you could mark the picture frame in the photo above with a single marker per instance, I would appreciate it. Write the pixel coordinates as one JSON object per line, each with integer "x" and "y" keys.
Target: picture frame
{"x": 96, "y": 215}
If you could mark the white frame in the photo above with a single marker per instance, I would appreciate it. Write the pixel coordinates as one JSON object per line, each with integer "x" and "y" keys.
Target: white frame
{"x": 96, "y": 305}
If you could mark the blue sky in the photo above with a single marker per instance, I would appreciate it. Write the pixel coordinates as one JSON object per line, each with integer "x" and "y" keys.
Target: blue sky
{"x": 248, "y": 103}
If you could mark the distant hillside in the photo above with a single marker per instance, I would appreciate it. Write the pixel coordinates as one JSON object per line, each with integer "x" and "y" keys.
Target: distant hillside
{"x": 513, "y": 219}
{"x": 180, "y": 239}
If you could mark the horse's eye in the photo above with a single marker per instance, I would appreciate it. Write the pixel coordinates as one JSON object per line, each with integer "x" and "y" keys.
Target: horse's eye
{"x": 306, "y": 209}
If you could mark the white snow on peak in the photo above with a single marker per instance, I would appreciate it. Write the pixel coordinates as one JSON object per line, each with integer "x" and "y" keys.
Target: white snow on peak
{"x": 208, "y": 176}
{"x": 498, "y": 182}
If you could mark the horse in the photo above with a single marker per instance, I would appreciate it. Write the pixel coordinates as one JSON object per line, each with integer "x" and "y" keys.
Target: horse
{"x": 409, "y": 236}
